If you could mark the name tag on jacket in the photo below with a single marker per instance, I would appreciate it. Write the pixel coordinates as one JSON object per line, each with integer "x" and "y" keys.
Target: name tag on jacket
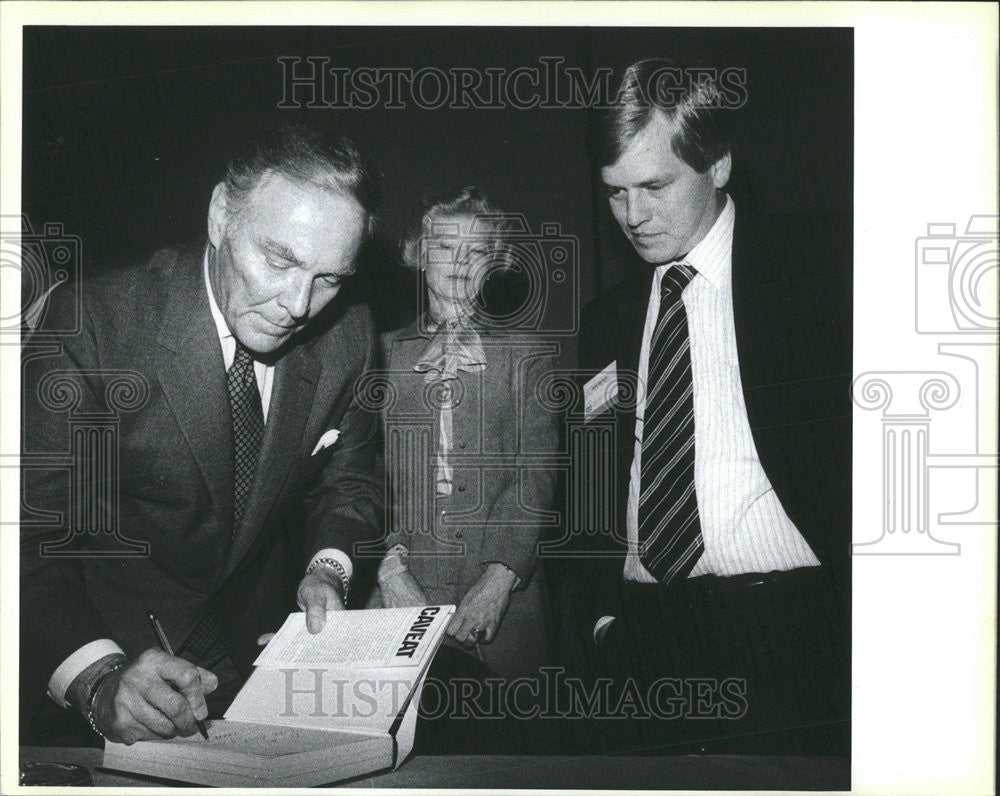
{"x": 600, "y": 392}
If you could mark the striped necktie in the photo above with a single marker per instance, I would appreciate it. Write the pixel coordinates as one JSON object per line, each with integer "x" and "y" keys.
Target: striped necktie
{"x": 248, "y": 426}
{"x": 670, "y": 540}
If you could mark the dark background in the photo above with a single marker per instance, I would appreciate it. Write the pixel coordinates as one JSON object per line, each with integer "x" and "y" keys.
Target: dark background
{"x": 127, "y": 129}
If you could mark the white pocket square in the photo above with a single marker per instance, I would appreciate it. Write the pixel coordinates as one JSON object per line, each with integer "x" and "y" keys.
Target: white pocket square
{"x": 328, "y": 438}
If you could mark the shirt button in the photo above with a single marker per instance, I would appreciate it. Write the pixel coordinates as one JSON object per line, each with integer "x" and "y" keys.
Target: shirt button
{"x": 461, "y": 489}
{"x": 461, "y": 446}
{"x": 458, "y": 534}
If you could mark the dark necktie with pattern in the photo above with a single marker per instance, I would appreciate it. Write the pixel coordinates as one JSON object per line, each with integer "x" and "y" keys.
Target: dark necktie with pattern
{"x": 248, "y": 426}
{"x": 670, "y": 540}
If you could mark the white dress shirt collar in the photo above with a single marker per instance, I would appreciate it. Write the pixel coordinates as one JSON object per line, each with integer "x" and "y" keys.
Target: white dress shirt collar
{"x": 263, "y": 372}
{"x": 712, "y": 255}
{"x": 220, "y": 321}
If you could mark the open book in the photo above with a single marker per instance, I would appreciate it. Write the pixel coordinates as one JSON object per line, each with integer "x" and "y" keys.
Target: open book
{"x": 317, "y": 709}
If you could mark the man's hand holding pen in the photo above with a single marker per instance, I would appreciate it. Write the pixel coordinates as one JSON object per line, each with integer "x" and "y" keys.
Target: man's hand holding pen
{"x": 155, "y": 696}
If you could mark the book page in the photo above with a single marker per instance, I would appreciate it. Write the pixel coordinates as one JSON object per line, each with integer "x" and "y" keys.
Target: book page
{"x": 356, "y": 675}
{"x": 260, "y": 740}
{"x": 367, "y": 639}
{"x": 255, "y": 755}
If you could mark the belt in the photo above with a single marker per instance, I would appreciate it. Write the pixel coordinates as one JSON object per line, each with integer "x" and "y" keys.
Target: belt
{"x": 705, "y": 585}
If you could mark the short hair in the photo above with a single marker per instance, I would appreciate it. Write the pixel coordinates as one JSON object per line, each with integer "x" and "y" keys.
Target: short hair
{"x": 506, "y": 288}
{"x": 691, "y": 99}
{"x": 466, "y": 201}
{"x": 306, "y": 153}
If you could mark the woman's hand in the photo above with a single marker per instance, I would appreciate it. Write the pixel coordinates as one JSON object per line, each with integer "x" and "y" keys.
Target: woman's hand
{"x": 401, "y": 589}
{"x": 479, "y": 614}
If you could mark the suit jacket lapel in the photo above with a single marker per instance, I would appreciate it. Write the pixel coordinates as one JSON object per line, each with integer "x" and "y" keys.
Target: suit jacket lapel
{"x": 632, "y": 320}
{"x": 754, "y": 281}
{"x": 762, "y": 310}
{"x": 295, "y": 378}
{"x": 191, "y": 373}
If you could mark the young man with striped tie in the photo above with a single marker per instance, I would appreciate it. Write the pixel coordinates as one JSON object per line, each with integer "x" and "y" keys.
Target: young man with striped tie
{"x": 720, "y": 595}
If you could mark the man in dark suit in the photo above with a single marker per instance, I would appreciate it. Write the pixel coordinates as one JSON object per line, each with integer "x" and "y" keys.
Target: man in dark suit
{"x": 722, "y": 370}
{"x": 239, "y": 462}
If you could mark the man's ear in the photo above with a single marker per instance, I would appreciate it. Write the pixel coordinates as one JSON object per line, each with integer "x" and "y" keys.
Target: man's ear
{"x": 721, "y": 169}
{"x": 218, "y": 214}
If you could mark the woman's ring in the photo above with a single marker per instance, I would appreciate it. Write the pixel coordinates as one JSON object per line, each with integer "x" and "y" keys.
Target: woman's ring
{"x": 476, "y": 633}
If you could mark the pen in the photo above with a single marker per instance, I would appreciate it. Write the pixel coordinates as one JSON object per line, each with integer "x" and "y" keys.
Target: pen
{"x": 165, "y": 643}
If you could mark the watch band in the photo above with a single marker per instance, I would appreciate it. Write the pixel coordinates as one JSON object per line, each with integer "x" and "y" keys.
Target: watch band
{"x": 101, "y": 680}
{"x": 338, "y": 568}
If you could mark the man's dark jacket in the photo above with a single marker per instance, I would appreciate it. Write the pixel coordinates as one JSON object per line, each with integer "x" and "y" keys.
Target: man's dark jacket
{"x": 792, "y": 299}
{"x": 147, "y": 361}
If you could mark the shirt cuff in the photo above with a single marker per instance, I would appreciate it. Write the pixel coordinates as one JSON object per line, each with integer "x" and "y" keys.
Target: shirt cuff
{"x": 337, "y": 555}
{"x": 604, "y": 621}
{"x": 71, "y": 668}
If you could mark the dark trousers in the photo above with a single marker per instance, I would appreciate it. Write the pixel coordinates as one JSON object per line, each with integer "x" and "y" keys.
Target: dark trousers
{"x": 756, "y": 664}
{"x": 468, "y": 709}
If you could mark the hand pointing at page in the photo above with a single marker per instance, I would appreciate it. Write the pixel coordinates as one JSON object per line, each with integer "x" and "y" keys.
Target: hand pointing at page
{"x": 321, "y": 590}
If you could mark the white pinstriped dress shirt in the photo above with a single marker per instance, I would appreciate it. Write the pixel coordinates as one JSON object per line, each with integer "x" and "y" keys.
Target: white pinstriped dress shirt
{"x": 744, "y": 526}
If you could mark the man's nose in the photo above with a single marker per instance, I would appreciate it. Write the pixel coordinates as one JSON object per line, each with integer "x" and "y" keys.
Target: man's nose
{"x": 636, "y": 209}
{"x": 296, "y": 296}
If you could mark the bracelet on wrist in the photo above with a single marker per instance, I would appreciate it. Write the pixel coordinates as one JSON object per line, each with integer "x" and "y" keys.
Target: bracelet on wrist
{"x": 338, "y": 569}
{"x": 100, "y": 682}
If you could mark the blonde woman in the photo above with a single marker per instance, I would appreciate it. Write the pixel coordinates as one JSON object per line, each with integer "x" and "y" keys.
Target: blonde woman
{"x": 463, "y": 420}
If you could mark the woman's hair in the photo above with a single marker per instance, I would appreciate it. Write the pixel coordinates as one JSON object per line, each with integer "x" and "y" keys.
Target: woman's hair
{"x": 467, "y": 201}
{"x": 505, "y": 287}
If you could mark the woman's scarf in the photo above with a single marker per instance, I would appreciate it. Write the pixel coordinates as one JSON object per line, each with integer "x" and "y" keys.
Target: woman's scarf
{"x": 454, "y": 346}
